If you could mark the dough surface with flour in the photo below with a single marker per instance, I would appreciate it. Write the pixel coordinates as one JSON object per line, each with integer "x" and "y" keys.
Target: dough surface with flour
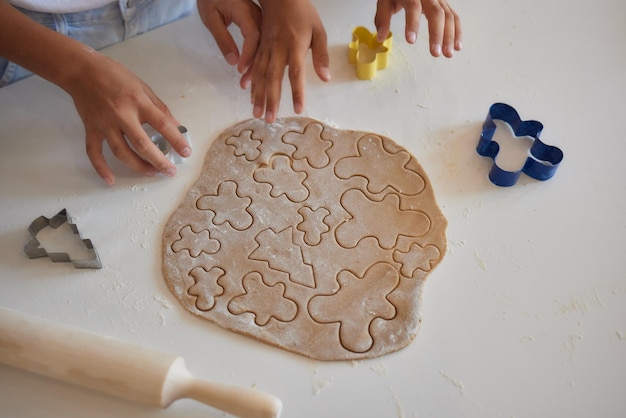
{"x": 307, "y": 237}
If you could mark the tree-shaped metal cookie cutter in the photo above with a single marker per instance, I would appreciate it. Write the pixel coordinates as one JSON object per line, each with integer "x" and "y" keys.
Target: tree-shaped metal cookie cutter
{"x": 34, "y": 250}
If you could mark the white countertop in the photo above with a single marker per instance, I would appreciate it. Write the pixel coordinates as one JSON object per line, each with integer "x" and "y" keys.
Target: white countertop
{"x": 524, "y": 317}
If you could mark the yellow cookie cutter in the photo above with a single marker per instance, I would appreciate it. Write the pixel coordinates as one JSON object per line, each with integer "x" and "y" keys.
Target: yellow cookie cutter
{"x": 367, "y": 54}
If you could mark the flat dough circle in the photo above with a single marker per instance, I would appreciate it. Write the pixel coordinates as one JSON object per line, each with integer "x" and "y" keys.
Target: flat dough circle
{"x": 310, "y": 238}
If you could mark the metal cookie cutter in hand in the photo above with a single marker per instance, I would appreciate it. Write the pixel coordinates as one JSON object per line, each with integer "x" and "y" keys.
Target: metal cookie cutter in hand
{"x": 33, "y": 249}
{"x": 165, "y": 146}
{"x": 543, "y": 159}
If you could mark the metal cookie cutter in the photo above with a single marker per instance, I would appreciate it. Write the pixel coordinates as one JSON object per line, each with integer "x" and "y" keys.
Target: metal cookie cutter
{"x": 367, "y": 54}
{"x": 165, "y": 146}
{"x": 543, "y": 160}
{"x": 33, "y": 249}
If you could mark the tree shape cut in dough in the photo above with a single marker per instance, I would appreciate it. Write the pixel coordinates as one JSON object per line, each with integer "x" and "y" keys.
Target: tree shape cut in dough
{"x": 417, "y": 257}
{"x": 206, "y": 287}
{"x": 313, "y": 224}
{"x": 310, "y": 145}
{"x": 195, "y": 242}
{"x": 381, "y": 168}
{"x": 383, "y": 220}
{"x": 283, "y": 179}
{"x": 282, "y": 254}
{"x": 228, "y": 206}
{"x": 263, "y": 301}
{"x": 356, "y": 304}
{"x": 245, "y": 145}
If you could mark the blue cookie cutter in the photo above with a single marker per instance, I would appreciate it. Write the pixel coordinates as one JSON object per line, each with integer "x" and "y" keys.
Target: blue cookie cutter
{"x": 543, "y": 160}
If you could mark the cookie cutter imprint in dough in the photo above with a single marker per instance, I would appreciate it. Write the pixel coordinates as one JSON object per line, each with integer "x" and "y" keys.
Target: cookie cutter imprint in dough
{"x": 310, "y": 238}
{"x": 33, "y": 249}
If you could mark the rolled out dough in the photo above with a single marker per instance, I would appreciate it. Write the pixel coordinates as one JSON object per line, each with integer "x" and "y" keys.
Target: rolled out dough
{"x": 310, "y": 238}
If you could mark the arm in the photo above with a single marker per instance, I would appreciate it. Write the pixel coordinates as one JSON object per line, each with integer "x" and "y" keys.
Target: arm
{"x": 444, "y": 25}
{"x": 111, "y": 101}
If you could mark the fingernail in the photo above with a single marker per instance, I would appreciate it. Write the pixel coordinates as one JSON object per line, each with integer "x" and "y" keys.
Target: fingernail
{"x": 325, "y": 73}
{"x": 170, "y": 172}
{"x": 411, "y": 37}
{"x": 186, "y": 152}
{"x": 269, "y": 116}
{"x": 436, "y": 50}
{"x": 458, "y": 45}
{"x": 257, "y": 112}
{"x": 151, "y": 172}
{"x": 297, "y": 107}
{"x": 108, "y": 180}
{"x": 231, "y": 58}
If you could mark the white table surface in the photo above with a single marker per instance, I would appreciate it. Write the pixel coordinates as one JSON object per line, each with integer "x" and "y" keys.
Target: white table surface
{"x": 525, "y": 316}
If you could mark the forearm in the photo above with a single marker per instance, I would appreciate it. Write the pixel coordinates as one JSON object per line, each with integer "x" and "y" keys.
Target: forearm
{"x": 45, "y": 52}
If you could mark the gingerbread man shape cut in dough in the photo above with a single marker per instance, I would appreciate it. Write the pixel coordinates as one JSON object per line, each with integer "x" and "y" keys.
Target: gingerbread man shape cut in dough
{"x": 383, "y": 221}
{"x": 363, "y": 300}
{"x": 391, "y": 168}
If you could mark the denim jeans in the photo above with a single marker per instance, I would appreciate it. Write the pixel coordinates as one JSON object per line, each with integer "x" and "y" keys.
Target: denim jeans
{"x": 98, "y": 28}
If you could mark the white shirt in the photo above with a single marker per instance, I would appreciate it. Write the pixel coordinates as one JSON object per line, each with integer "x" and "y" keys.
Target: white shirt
{"x": 60, "y": 6}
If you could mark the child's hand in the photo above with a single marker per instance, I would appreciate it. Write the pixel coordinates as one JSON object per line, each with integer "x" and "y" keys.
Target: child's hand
{"x": 444, "y": 25}
{"x": 113, "y": 103}
{"x": 217, "y": 15}
{"x": 289, "y": 29}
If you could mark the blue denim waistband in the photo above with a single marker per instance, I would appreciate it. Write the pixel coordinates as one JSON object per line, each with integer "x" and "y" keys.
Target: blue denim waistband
{"x": 104, "y": 26}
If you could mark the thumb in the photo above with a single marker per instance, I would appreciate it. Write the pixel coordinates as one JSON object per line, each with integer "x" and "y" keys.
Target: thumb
{"x": 215, "y": 23}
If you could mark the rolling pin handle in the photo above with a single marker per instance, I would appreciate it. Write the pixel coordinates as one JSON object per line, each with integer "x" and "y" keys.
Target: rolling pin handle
{"x": 236, "y": 400}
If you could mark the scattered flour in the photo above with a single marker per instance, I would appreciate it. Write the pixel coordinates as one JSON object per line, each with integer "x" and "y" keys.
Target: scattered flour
{"x": 480, "y": 260}
{"x": 580, "y": 303}
{"x": 455, "y": 243}
{"x": 571, "y": 344}
{"x": 321, "y": 383}
{"x": 453, "y": 381}
{"x": 399, "y": 408}
{"x": 165, "y": 305}
{"x": 380, "y": 369}
{"x": 162, "y": 301}
{"x": 394, "y": 397}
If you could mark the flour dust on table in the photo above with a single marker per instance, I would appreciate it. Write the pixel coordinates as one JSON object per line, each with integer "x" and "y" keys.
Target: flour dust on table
{"x": 307, "y": 237}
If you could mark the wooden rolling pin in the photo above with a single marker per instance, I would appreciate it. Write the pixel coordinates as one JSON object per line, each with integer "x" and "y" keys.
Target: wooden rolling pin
{"x": 118, "y": 368}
